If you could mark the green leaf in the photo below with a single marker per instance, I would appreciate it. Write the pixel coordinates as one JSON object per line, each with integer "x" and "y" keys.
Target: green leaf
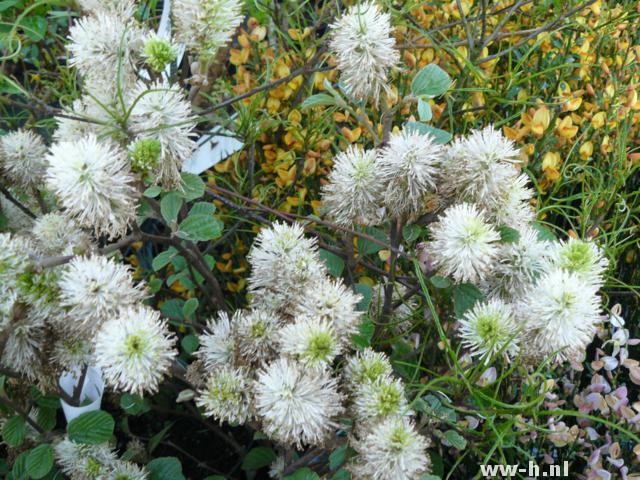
{"x": 440, "y": 136}
{"x": 40, "y": 461}
{"x": 189, "y": 307}
{"x": 192, "y": 185}
{"x": 440, "y": 282}
{"x": 424, "y": 111}
{"x": 200, "y": 228}
{"x": 338, "y": 457}
{"x": 257, "y": 458}
{"x": 455, "y": 439}
{"x": 172, "y": 308}
{"x": 465, "y": 296}
{"x": 165, "y": 468}
{"x": 367, "y": 294}
{"x": 204, "y": 208}
{"x": 366, "y": 246}
{"x": 157, "y": 438}
{"x": 152, "y": 192}
{"x": 46, "y": 418}
{"x": 7, "y": 4}
{"x": 430, "y": 477}
{"x": 133, "y": 404}
{"x": 342, "y": 474}
{"x": 34, "y": 27}
{"x": 543, "y": 232}
{"x": 303, "y": 474}
{"x": 508, "y": 234}
{"x": 14, "y": 430}
{"x": 163, "y": 258}
{"x": 411, "y": 232}
{"x": 335, "y": 264}
{"x": 431, "y": 81}
{"x": 91, "y": 428}
{"x": 170, "y": 206}
{"x": 190, "y": 343}
{"x": 19, "y": 470}
{"x": 317, "y": 100}
{"x": 365, "y": 333}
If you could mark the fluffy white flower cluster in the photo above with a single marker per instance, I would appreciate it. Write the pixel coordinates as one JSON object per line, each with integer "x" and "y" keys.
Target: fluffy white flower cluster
{"x": 81, "y": 462}
{"x": 124, "y": 128}
{"x": 365, "y": 50}
{"x": 276, "y": 365}
{"x": 88, "y": 311}
{"x": 542, "y": 294}
{"x": 369, "y": 186}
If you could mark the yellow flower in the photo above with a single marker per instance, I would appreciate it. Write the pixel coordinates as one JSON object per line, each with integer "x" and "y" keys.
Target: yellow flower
{"x": 551, "y": 165}
{"x": 566, "y": 128}
{"x": 541, "y": 120}
{"x": 598, "y": 120}
{"x": 586, "y": 150}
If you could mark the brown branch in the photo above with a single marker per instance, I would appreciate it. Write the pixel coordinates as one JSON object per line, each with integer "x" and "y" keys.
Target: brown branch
{"x": 16, "y": 202}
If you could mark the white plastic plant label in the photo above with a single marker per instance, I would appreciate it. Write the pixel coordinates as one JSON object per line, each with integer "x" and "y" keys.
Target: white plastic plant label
{"x": 90, "y": 396}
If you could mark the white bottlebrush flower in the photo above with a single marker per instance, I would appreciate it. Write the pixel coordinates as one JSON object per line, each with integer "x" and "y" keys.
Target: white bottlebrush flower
{"x": 353, "y": 191}
{"x": 391, "y": 450}
{"x": 284, "y": 263}
{"x": 24, "y": 346}
{"x": 23, "y": 157}
{"x": 121, "y": 470}
{"x": 257, "y": 335}
{"x": 364, "y": 47}
{"x": 278, "y": 467}
{"x": 40, "y": 290}
{"x": 490, "y": 328}
{"x": 82, "y": 461}
{"x": 227, "y": 395}
{"x": 105, "y": 46}
{"x": 14, "y": 259}
{"x": 217, "y": 343}
{"x": 7, "y": 305}
{"x": 161, "y": 111}
{"x": 365, "y": 367}
{"x": 581, "y": 257}
{"x": 72, "y": 351}
{"x": 519, "y": 264}
{"x": 297, "y": 406}
{"x": 122, "y": 8}
{"x": 408, "y": 167}
{"x": 560, "y": 313}
{"x": 480, "y": 167}
{"x": 93, "y": 183}
{"x": 464, "y": 245}
{"x": 206, "y": 25}
{"x": 511, "y": 207}
{"x": 85, "y": 116}
{"x": 380, "y": 399}
{"x": 135, "y": 350}
{"x": 331, "y": 300}
{"x": 57, "y": 234}
{"x": 94, "y": 289}
{"x": 310, "y": 340}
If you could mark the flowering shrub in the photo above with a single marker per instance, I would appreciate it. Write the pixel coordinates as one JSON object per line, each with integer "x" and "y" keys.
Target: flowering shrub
{"x": 374, "y": 265}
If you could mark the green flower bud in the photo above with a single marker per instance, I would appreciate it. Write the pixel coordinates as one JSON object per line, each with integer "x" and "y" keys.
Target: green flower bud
{"x": 158, "y": 53}
{"x": 145, "y": 155}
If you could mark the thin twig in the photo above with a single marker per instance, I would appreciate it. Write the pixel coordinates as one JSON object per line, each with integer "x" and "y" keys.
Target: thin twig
{"x": 16, "y": 202}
